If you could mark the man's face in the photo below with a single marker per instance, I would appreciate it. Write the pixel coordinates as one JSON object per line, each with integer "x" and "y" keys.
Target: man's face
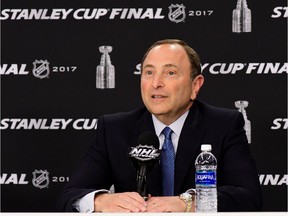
{"x": 166, "y": 85}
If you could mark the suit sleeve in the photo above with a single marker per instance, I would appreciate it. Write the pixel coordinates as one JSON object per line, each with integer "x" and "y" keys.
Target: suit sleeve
{"x": 93, "y": 172}
{"x": 238, "y": 183}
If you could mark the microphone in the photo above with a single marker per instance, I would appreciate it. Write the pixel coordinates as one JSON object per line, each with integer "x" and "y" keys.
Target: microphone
{"x": 144, "y": 157}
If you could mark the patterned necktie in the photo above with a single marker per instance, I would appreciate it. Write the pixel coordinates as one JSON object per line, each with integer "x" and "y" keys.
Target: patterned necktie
{"x": 167, "y": 164}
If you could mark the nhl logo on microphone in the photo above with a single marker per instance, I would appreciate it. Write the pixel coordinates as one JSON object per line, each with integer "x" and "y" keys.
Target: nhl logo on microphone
{"x": 144, "y": 152}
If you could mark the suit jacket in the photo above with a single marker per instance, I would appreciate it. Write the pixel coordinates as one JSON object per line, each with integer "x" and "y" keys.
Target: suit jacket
{"x": 107, "y": 162}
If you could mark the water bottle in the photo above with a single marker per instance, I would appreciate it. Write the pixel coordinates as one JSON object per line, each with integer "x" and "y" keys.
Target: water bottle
{"x": 205, "y": 180}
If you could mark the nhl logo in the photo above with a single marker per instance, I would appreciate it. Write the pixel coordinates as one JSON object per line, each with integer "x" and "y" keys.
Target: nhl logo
{"x": 177, "y": 13}
{"x": 40, "y": 178}
{"x": 144, "y": 152}
{"x": 41, "y": 69}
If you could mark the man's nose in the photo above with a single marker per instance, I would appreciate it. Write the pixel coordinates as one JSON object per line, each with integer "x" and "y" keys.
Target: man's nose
{"x": 158, "y": 81}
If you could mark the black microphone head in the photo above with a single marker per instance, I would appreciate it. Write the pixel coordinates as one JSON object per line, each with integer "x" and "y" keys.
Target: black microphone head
{"x": 148, "y": 138}
{"x": 147, "y": 147}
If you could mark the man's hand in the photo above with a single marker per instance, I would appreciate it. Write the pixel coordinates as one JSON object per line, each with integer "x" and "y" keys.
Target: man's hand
{"x": 119, "y": 202}
{"x": 166, "y": 204}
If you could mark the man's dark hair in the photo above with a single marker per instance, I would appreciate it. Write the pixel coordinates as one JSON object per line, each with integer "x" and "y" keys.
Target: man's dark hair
{"x": 191, "y": 53}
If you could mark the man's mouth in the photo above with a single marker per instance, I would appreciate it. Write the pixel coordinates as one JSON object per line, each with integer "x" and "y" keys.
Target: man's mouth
{"x": 158, "y": 96}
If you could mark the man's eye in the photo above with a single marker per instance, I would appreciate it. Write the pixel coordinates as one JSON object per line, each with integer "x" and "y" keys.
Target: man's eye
{"x": 149, "y": 72}
{"x": 171, "y": 73}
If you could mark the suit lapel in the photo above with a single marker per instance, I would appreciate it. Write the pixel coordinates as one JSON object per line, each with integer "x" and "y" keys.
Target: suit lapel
{"x": 145, "y": 123}
{"x": 188, "y": 147}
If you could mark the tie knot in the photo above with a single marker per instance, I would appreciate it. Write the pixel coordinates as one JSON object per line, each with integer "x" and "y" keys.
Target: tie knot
{"x": 167, "y": 132}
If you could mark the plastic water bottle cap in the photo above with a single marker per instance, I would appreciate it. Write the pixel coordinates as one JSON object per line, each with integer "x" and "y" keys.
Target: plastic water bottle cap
{"x": 206, "y": 147}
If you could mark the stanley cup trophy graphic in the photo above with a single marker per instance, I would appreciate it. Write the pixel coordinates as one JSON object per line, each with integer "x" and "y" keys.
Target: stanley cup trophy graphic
{"x": 241, "y": 105}
{"x": 241, "y": 20}
{"x": 105, "y": 72}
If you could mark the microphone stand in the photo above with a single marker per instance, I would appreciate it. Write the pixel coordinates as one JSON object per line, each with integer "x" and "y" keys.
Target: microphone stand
{"x": 141, "y": 180}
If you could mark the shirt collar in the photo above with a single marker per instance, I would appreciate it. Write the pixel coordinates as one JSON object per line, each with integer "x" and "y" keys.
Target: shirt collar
{"x": 176, "y": 126}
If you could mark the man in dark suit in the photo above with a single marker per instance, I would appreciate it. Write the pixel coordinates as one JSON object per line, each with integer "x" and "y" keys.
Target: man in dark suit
{"x": 170, "y": 81}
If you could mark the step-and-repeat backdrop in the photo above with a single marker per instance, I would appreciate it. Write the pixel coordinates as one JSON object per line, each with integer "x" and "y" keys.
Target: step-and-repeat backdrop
{"x": 52, "y": 91}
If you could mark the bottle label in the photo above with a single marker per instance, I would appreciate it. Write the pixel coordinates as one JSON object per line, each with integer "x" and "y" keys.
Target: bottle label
{"x": 206, "y": 178}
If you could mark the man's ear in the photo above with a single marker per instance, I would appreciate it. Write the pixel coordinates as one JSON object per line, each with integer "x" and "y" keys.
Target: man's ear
{"x": 196, "y": 86}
